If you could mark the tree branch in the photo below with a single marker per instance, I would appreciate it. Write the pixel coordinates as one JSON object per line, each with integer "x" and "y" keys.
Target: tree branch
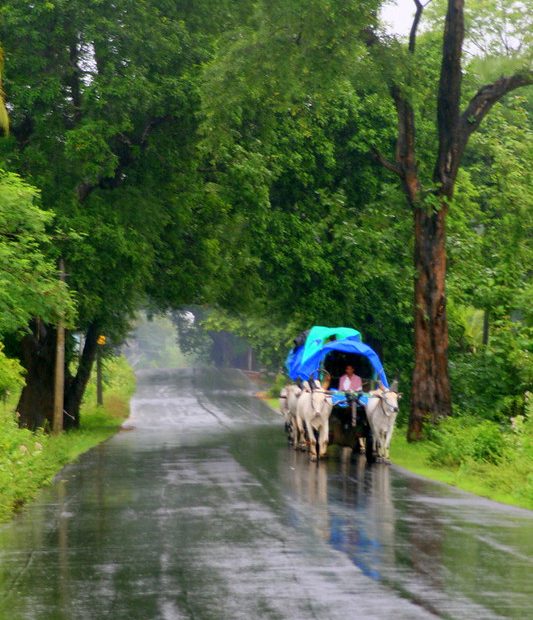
{"x": 83, "y": 190}
{"x": 369, "y": 37}
{"x": 386, "y": 163}
{"x": 72, "y": 77}
{"x": 485, "y": 98}
{"x": 152, "y": 124}
{"x": 414, "y": 27}
{"x": 449, "y": 96}
{"x": 406, "y": 145}
{"x": 406, "y": 166}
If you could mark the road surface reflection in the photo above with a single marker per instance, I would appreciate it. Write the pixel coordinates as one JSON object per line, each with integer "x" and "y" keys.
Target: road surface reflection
{"x": 202, "y": 511}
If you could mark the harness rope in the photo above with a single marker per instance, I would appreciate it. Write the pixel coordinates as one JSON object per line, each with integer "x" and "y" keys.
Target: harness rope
{"x": 382, "y": 398}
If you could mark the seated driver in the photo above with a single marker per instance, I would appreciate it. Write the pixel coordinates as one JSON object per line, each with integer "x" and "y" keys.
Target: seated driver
{"x": 350, "y": 381}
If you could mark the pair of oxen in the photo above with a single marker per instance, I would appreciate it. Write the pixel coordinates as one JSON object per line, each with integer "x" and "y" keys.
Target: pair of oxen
{"x": 307, "y": 409}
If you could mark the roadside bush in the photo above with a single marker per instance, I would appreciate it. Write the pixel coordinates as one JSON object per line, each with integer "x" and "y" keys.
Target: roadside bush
{"x": 492, "y": 382}
{"x": 117, "y": 377}
{"x": 459, "y": 440}
{"x": 11, "y": 375}
{"x": 279, "y": 383}
{"x": 21, "y": 451}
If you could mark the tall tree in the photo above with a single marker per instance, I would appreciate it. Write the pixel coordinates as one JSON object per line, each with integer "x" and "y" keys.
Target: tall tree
{"x": 324, "y": 244}
{"x": 287, "y": 124}
{"x": 431, "y": 394}
{"x": 29, "y": 286}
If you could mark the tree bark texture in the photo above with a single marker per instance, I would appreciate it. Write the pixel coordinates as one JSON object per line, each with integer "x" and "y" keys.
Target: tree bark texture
{"x": 431, "y": 394}
{"x": 36, "y": 404}
{"x": 75, "y": 385}
{"x": 59, "y": 379}
{"x": 449, "y": 98}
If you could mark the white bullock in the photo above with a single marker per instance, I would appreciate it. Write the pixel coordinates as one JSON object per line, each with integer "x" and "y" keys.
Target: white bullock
{"x": 283, "y": 404}
{"x": 381, "y": 412}
{"x": 288, "y": 401}
{"x": 314, "y": 408}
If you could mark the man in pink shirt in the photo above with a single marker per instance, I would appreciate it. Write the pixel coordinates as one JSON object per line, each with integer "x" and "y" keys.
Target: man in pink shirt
{"x": 350, "y": 381}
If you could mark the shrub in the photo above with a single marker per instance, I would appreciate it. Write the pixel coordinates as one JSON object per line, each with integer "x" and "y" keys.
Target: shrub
{"x": 279, "y": 383}
{"x": 11, "y": 375}
{"x": 30, "y": 460}
{"x": 458, "y": 440}
{"x": 492, "y": 382}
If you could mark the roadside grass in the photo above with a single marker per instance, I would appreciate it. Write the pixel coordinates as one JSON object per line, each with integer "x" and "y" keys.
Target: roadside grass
{"x": 29, "y": 461}
{"x": 273, "y": 403}
{"x": 509, "y": 481}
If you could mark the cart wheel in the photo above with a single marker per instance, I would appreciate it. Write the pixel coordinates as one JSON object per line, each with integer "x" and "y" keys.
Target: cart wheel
{"x": 369, "y": 453}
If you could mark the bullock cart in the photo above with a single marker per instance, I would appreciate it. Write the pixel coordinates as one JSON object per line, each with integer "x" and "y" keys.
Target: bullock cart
{"x": 321, "y": 355}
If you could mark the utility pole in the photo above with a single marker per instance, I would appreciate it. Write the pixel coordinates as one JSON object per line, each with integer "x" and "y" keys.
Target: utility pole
{"x": 59, "y": 382}
{"x": 99, "y": 382}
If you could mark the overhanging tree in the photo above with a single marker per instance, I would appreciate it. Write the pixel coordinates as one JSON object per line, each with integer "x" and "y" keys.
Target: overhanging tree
{"x": 29, "y": 286}
{"x": 306, "y": 51}
{"x": 103, "y": 122}
{"x": 288, "y": 129}
{"x": 329, "y": 246}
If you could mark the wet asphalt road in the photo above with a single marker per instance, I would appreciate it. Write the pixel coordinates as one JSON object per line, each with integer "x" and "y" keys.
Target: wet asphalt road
{"x": 203, "y": 512}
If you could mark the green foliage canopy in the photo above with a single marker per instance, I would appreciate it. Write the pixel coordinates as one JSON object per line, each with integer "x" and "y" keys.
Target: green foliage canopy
{"x": 103, "y": 114}
{"x": 29, "y": 284}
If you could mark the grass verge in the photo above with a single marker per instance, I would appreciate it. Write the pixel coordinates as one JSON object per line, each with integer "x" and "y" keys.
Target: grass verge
{"x": 29, "y": 461}
{"x": 273, "y": 403}
{"x": 509, "y": 482}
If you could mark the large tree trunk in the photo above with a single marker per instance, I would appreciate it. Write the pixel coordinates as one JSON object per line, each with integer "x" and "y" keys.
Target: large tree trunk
{"x": 36, "y": 404}
{"x": 75, "y": 386}
{"x": 431, "y": 396}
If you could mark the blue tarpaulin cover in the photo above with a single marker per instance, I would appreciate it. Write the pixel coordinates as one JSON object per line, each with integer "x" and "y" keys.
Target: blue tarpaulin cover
{"x": 305, "y": 360}
{"x": 339, "y": 399}
{"x": 318, "y": 336}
